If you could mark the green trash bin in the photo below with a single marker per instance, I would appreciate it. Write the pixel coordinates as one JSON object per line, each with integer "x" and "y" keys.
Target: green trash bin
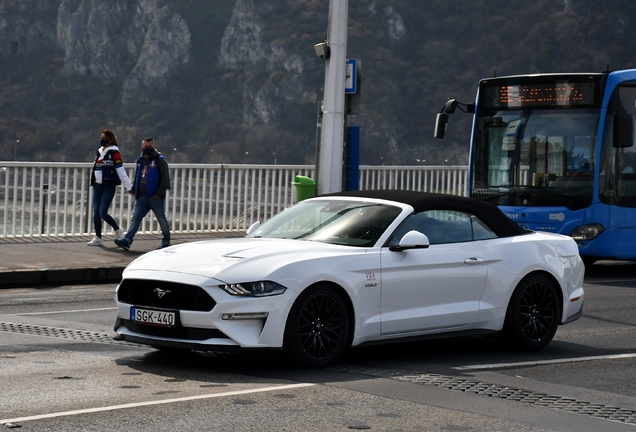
{"x": 305, "y": 188}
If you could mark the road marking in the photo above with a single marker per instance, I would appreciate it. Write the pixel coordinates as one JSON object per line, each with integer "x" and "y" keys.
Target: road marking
{"x": 149, "y": 403}
{"x": 66, "y": 311}
{"x": 545, "y": 362}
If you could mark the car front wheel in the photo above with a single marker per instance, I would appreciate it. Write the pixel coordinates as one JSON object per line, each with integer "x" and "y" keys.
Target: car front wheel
{"x": 533, "y": 314}
{"x": 317, "y": 330}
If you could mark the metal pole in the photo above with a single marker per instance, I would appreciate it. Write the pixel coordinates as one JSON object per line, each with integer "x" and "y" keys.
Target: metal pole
{"x": 43, "y": 218}
{"x": 332, "y": 135}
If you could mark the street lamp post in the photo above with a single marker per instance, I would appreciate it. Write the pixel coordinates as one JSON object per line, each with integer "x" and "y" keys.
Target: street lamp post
{"x": 330, "y": 159}
{"x": 15, "y": 150}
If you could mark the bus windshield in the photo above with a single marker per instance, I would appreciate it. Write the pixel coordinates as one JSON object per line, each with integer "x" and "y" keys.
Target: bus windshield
{"x": 535, "y": 157}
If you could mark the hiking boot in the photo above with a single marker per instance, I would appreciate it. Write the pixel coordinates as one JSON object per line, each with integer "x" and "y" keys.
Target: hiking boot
{"x": 119, "y": 234}
{"x": 123, "y": 243}
{"x": 97, "y": 241}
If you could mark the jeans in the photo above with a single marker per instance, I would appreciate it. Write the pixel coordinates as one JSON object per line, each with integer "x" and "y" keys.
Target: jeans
{"x": 102, "y": 197}
{"x": 142, "y": 206}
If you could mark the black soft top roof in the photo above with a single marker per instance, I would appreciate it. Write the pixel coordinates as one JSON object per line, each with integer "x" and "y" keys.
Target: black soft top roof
{"x": 422, "y": 201}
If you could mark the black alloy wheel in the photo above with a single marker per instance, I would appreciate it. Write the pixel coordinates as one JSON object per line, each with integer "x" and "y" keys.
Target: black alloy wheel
{"x": 317, "y": 330}
{"x": 533, "y": 314}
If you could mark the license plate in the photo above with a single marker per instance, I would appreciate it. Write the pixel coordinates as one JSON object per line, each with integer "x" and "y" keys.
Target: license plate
{"x": 153, "y": 317}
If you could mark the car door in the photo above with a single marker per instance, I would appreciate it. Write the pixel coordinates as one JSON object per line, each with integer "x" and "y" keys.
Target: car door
{"x": 438, "y": 287}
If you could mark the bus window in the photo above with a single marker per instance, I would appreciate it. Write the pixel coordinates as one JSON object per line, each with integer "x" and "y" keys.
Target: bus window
{"x": 535, "y": 157}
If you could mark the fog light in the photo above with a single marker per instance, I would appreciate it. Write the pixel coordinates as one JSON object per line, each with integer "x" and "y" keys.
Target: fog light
{"x": 586, "y": 232}
{"x": 245, "y": 316}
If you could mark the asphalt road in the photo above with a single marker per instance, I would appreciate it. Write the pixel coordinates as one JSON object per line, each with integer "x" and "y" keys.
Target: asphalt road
{"x": 60, "y": 371}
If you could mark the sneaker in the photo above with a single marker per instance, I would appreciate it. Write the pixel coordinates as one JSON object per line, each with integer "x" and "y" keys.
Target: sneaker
{"x": 123, "y": 243}
{"x": 119, "y": 234}
{"x": 97, "y": 241}
{"x": 164, "y": 246}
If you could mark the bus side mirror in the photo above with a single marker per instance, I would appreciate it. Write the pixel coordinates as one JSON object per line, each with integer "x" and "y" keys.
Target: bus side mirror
{"x": 449, "y": 108}
{"x": 440, "y": 125}
{"x": 623, "y": 131}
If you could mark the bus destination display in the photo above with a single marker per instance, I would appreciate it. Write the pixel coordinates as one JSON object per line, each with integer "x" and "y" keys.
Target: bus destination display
{"x": 538, "y": 95}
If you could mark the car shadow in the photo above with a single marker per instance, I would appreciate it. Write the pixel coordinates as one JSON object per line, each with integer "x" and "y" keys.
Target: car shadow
{"x": 440, "y": 356}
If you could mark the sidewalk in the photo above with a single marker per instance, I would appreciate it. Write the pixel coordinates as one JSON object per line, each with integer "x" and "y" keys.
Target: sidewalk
{"x": 49, "y": 261}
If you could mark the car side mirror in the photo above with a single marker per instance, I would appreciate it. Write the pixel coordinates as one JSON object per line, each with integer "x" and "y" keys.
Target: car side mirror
{"x": 412, "y": 240}
{"x": 623, "y": 131}
{"x": 253, "y": 227}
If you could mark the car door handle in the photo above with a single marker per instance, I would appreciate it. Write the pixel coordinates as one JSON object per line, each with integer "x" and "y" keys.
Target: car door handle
{"x": 473, "y": 261}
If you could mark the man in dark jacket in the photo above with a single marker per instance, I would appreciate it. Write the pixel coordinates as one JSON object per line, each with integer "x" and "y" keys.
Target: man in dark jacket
{"x": 151, "y": 182}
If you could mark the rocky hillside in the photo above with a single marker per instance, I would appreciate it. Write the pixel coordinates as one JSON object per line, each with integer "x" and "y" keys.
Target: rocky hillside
{"x": 237, "y": 81}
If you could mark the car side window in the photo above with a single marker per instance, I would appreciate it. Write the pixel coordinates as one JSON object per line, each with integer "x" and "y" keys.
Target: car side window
{"x": 481, "y": 230}
{"x": 444, "y": 226}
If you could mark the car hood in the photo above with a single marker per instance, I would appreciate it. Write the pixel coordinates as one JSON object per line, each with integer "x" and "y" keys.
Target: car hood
{"x": 242, "y": 258}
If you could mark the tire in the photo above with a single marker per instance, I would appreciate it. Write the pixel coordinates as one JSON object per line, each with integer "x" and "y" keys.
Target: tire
{"x": 533, "y": 314}
{"x": 317, "y": 330}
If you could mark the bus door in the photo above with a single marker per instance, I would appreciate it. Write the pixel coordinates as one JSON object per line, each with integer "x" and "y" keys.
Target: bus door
{"x": 623, "y": 213}
{"x": 617, "y": 185}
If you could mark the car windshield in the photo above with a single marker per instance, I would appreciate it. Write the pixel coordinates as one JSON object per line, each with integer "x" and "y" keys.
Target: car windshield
{"x": 342, "y": 222}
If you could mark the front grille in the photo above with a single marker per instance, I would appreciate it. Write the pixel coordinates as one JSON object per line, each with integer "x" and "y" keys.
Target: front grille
{"x": 173, "y": 332}
{"x": 141, "y": 292}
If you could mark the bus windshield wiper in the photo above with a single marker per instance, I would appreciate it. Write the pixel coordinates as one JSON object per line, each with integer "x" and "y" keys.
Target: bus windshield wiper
{"x": 549, "y": 191}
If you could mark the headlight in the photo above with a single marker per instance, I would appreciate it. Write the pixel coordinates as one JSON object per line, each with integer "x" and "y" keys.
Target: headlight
{"x": 587, "y": 232}
{"x": 254, "y": 289}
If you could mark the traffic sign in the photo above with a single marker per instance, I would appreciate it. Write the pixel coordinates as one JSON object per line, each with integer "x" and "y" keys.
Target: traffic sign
{"x": 351, "y": 81}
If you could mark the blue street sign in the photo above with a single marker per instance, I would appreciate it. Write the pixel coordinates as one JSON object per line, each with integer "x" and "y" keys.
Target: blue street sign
{"x": 351, "y": 81}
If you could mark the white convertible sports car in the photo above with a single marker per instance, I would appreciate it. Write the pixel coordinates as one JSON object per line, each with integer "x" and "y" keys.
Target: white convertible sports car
{"x": 355, "y": 268}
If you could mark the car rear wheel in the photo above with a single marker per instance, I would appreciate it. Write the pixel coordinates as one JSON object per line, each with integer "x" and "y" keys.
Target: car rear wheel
{"x": 533, "y": 314}
{"x": 317, "y": 330}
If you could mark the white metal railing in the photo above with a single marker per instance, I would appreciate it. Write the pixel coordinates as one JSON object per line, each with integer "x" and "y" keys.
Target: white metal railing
{"x": 55, "y": 199}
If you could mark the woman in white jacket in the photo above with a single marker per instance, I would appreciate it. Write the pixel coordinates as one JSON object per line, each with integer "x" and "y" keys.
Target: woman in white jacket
{"x": 108, "y": 173}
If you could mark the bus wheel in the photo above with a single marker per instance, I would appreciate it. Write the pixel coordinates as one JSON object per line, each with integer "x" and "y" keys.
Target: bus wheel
{"x": 533, "y": 314}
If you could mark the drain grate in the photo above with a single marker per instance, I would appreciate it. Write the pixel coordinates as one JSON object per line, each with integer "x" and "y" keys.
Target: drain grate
{"x": 493, "y": 390}
{"x": 62, "y": 333}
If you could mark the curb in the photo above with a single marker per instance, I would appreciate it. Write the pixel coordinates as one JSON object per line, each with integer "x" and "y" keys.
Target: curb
{"x": 66, "y": 276}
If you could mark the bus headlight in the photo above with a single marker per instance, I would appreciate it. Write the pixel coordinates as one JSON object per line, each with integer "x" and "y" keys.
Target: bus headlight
{"x": 587, "y": 232}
